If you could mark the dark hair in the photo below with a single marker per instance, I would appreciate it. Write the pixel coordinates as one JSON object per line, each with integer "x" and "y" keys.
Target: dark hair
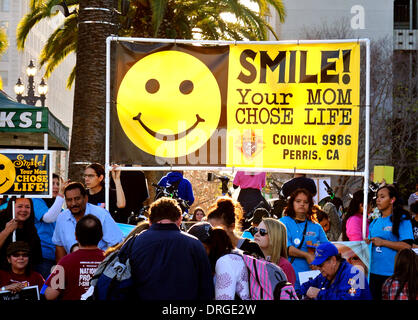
{"x": 219, "y": 244}
{"x": 398, "y": 212}
{"x": 88, "y": 230}
{"x": 99, "y": 169}
{"x": 290, "y": 210}
{"x": 17, "y": 246}
{"x": 164, "y": 208}
{"x": 353, "y": 208}
{"x": 319, "y": 214}
{"x": 76, "y": 185}
{"x": 227, "y": 209}
{"x": 406, "y": 271}
{"x": 195, "y": 211}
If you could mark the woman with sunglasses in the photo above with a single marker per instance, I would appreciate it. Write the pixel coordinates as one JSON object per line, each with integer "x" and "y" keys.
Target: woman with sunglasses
{"x": 388, "y": 234}
{"x": 271, "y": 236}
{"x": 19, "y": 274}
{"x": 303, "y": 234}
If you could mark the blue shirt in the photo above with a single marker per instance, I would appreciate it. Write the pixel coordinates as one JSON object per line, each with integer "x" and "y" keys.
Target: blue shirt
{"x": 314, "y": 236}
{"x": 349, "y": 284}
{"x": 383, "y": 258}
{"x": 45, "y": 230}
{"x": 64, "y": 234}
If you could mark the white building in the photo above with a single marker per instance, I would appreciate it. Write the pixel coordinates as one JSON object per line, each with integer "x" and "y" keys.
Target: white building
{"x": 13, "y": 65}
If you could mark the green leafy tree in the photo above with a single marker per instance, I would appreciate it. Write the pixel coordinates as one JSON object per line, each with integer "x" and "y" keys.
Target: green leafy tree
{"x": 180, "y": 19}
{"x": 3, "y": 47}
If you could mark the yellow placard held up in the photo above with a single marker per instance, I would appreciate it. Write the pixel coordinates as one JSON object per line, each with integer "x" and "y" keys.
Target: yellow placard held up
{"x": 383, "y": 173}
{"x": 293, "y": 106}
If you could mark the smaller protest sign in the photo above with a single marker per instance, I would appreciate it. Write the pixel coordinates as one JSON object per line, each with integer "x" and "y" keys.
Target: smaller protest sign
{"x": 25, "y": 172}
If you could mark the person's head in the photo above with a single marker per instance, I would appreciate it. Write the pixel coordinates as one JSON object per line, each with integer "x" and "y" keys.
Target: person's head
{"x": 165, "y": 208}
{"x": 327, "y": 259}
{"x": 23, "y": 209}
{"x": 202, "y": 230}
{"x": 258, "y": 216}
{"x": 299, "y": 203}
{"x": 18, "y": 257}
{"x": 88, "y": 231}
{"x": 218, "y": 245}
{"x": 406, "y": 271}
{"x": 55, "y": 185}
{"x": 356, "y": 203}
{"x": 198, "y": 214}
{"x": 387, "y": 197}
{"x": 226, "y": 213}
{"x": 322, "y": 218}
{"x": 271, "y": 237}
{"x": 94, "y": 175}
{"x": 388, "y": 203}
{"x": 76, "y": 198}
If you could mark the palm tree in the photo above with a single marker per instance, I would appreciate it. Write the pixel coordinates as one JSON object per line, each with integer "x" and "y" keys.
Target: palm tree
{"x": 180, "y": 19}
{"x": 3, "y": 47}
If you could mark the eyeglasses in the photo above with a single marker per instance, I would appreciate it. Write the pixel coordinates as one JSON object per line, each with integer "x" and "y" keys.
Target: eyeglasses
{"x": 17, "y": 255}
{"x": 262, "y": 231}
{"x": 89, "y": 176}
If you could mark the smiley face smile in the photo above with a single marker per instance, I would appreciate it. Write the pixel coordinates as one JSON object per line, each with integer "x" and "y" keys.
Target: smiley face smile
{"x": 165, "y": 137}
{"x": 4, "y": 182}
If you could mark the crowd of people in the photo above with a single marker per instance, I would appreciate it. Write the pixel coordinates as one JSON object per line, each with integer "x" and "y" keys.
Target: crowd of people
{"x": 57, "y": 244}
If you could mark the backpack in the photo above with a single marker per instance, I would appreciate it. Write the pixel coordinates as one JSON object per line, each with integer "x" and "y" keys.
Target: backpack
{"x": 267, "y": 281}
{"x": 113, "y": 279}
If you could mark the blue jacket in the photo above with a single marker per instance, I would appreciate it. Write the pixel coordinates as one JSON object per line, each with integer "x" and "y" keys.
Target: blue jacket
{"x": 168, "y": 264}
{"x": 185, "y": 190}
{"x": 349, "y": 284}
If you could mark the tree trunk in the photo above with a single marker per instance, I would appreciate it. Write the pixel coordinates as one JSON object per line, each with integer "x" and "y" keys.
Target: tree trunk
{"x": 88, "y": 129}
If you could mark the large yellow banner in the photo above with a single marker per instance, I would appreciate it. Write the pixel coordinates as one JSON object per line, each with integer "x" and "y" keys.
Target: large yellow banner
{"x": 293, "y": 106}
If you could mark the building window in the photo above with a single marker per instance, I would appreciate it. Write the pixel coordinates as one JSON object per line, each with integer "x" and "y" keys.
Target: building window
{"x": 405, "y": 13}
{"x": 5, "y": 5}
{"x": 4, "y": 78}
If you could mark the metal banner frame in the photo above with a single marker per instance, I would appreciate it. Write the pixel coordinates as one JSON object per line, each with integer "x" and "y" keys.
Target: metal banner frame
{"x": 364, "y": 174}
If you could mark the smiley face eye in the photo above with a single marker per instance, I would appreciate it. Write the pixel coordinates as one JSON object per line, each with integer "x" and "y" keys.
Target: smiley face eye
{"x": 152, "y": 86}
{"x": 186, "y": 87}
{"x": 1, "y": 166}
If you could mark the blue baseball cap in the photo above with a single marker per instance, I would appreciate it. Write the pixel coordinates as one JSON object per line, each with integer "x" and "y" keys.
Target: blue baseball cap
{"x": 323, "y": 252}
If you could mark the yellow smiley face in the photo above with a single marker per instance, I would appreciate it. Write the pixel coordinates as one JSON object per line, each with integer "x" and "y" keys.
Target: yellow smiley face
{"x": 7, "y": 173}
{"x": 169, "y": 104}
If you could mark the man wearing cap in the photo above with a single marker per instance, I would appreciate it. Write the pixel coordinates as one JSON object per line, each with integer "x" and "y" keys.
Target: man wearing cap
{"x": 338, "y": 280}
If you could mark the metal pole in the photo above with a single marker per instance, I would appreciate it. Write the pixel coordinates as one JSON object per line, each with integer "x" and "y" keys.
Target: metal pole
{"x": 366, "y": 143}
{"x": 107, "y": 143}
{"x": 13, "y": 217}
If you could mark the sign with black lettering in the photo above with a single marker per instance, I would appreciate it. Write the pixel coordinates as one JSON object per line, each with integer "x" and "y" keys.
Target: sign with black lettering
{"x": 24, "y": 172}
{"x": 242, "y": 105}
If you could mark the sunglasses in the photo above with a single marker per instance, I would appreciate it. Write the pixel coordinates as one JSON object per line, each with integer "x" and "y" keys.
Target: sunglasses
{"x": 262, "y": 231}
{"x": 17, "y": 255}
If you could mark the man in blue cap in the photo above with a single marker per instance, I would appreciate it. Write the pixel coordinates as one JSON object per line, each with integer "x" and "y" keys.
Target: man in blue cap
{"x": 339, "y": 280}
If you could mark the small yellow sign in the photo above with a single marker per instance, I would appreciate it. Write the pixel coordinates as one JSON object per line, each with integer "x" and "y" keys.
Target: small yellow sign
{"x": 383, "y": 173}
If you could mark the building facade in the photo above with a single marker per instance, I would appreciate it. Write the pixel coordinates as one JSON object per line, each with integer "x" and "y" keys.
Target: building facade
{"x": 13, "y": 64}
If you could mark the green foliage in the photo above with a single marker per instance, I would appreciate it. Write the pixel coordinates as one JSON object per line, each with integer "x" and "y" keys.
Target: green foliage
{"x": 173, "y": 19}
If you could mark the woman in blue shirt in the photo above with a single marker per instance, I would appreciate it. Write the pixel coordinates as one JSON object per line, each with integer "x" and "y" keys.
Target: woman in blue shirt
{"x": 303, "y": 235}
{"x": 388, "y": 234}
